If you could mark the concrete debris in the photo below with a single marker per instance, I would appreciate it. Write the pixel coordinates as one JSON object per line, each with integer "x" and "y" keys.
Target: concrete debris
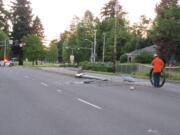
{"x": 82, "y": 75}
{"x": 128, "y": 79}
{"x": 132, "y": 87}
{"x": 88, "y": 81}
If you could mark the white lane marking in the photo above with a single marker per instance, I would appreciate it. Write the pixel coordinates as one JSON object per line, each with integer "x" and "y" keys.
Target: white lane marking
{"x": 88, "y": 103}
{"x": 44, "y": 84}
{"x": 59, "y": 91}
{"x": 155, "y": 132}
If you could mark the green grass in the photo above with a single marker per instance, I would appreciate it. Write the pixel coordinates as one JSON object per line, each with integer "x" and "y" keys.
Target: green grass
{"x": 29, "y": 64}
{"x": 144, "y": 75}
{"x": 172, "y": 75}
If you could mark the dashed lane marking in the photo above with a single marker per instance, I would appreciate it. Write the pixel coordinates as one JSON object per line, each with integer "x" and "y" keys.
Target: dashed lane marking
{"x": 44, "y": 84}
{"x": 88, "y": 103}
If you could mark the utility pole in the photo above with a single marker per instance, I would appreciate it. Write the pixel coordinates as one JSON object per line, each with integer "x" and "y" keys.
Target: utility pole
{"x": 4, "y": 49}
{"x": 92, "y": 50}
{"x": 104, "y": 44}
{"x": 115, "y": 38}
{"x": 94, "y": 46}
{"x": 21, "y": 54}
{"x": 91, "y": 57}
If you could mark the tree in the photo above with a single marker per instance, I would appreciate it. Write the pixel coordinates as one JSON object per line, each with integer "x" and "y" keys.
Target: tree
{"x": 37, "y": 28}
{"x": 64, "y": 42}
{"x": 108, "y": 11}
{"x": 33, "y": 49}
{"x": 164, "y": 5}
{"x": 21, "y": 19}
{"x": 73, "y": 25}
{"x": 4, "y": 17}
{"x": 166, "y": 32}
{"x": 78, "y": 40}
{"x": 3, "y": 37}
{"x": 141, "y": 28}
{"x": 60, "y": 51}
{"x": 84, "y": 37}
{"x": 88, "y": 22}
{"x": 141, "y": 31}
{"x": 52, "y": 54}
{"x": 22, "y": 24}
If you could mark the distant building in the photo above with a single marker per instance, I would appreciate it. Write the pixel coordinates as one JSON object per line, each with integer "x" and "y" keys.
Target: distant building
{"x": 132, "y": 55}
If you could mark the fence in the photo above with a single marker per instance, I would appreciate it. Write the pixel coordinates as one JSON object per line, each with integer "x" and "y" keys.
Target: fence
{"x": 172, "y": 73}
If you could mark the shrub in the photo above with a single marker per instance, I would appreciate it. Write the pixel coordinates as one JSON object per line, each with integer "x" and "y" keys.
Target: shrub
{"x": 144, "y": 57}
{"x": 123, "y": 58}
{"x": 96, "y": 66}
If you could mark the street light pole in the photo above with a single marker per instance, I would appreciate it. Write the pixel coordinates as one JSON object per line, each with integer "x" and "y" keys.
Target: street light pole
{"x": 115, "y": 38}
{"x": 91, "y": 59}
{"x": 104, "y": 43}
{"x": 5, "y": 50}
{"x": 94, "y": 54}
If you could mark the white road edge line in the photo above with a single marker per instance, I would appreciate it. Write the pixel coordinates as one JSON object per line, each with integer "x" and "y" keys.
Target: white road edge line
{"x": 86, "y": 102}
{"x": 44, "y": 84}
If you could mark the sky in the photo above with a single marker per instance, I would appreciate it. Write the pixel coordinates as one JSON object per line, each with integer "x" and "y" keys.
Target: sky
{"x": 56, "y": 15}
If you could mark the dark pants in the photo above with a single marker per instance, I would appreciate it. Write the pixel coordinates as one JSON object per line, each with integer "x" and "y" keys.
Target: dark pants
{"x": 156, "y": 77}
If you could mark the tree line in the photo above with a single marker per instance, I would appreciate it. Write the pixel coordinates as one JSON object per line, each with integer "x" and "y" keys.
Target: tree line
{"x": 163, "y": 31}
{"x": 24, "y": 27}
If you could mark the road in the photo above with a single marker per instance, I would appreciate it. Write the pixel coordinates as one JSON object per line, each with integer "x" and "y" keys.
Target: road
{"x": 35, "y": 102}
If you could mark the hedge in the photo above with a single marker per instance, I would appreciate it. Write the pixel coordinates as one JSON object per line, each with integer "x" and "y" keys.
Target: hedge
{"x": 96, "y": 66}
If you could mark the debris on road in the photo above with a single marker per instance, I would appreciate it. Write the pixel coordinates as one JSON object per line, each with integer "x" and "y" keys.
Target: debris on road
{"x": 128, "y": 79}
{"x": 132, "y": 87}
{"x": 83, "y": 75}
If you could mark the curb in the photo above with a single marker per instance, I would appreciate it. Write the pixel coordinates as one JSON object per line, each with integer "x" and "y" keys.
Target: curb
{"x": 56, "y": 72}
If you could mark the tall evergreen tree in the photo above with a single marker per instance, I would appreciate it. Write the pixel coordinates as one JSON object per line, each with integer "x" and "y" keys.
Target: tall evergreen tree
{"x": 37, "y": 27}
{"x": 21, "y": 19}
{"x": 22, "y": 24}
{"x": 108, "y": 11}
{"x": 164, "y": 5}
{"x": 3, "y": 36}
{"x": 108, "y": 25}
{"x": 88, "y": 20}
{"x": 4, "y": 16}
{"x": 52, "y": 53}
{"x": 60, "y": 51}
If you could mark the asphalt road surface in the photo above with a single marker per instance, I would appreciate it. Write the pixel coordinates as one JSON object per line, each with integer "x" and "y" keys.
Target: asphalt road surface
{"x": 35, "y": 102}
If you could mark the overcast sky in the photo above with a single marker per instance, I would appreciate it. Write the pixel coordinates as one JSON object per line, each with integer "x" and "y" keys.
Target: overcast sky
{"x": 56, "y": 15}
